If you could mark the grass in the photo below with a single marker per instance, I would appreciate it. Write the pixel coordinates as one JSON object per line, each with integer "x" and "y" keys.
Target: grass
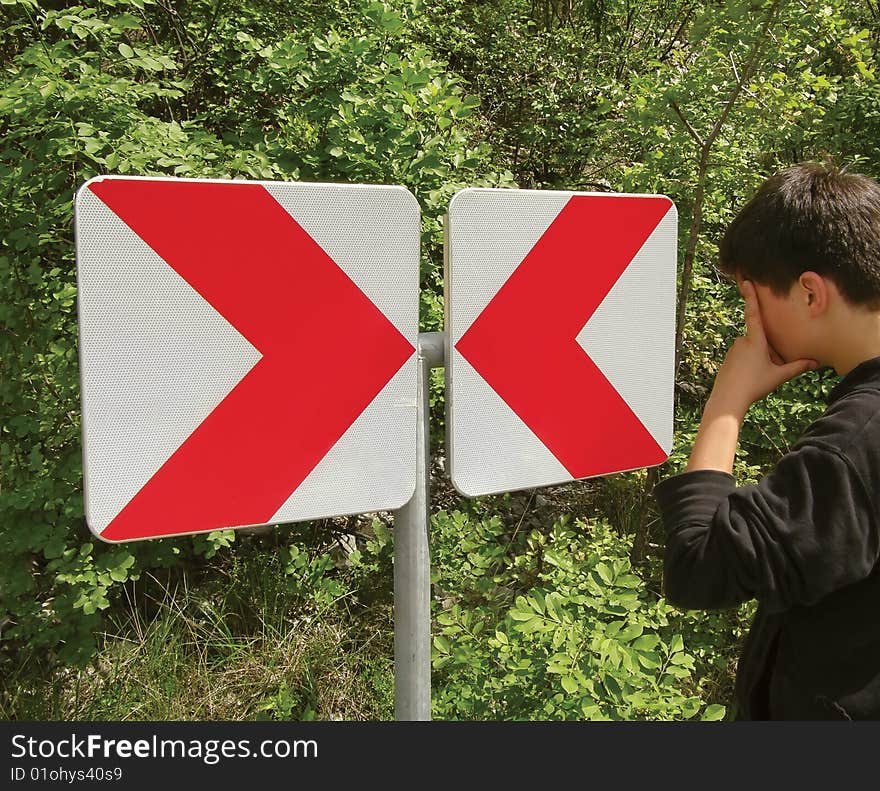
{"x": 241, "y": 645}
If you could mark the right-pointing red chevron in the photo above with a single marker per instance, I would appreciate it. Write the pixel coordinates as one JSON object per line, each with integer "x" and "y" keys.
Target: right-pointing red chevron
{"x": 241, "y": 251}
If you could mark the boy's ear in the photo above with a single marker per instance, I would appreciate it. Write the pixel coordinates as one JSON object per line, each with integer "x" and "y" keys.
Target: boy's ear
{"x": 815, "y": 291}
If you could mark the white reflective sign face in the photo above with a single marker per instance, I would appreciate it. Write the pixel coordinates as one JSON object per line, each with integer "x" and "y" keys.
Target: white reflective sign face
{"x": 247, "y": 352}
{"x": 560, "y": 321}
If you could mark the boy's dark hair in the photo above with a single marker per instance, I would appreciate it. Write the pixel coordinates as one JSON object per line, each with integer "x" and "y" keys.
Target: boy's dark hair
{"x": 809, "y": 217}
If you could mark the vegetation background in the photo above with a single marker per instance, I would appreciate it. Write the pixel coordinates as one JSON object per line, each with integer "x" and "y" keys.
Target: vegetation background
{"x": 547, "y": 604}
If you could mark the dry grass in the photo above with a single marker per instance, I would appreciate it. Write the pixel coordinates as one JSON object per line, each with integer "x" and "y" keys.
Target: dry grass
{"x": 242, "y": 650}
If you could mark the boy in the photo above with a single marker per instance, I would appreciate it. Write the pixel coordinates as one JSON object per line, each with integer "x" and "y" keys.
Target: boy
{"x": 805, "y": 540}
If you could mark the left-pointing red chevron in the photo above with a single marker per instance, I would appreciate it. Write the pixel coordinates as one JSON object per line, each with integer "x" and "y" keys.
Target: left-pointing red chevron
{"x": 524, "y": 343}
{"x": 247, "y": 257}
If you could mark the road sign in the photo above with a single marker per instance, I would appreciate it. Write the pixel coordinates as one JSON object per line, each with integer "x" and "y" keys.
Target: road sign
{"x": 247, "y": 352}
{"x": 560, "y": 321}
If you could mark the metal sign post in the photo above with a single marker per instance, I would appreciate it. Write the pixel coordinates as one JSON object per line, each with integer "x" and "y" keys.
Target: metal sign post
{"x": 412, "y": 562}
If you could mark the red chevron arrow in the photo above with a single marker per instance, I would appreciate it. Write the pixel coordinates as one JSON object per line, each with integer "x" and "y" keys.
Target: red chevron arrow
{"x": 524, "y": 341}
{"x": 241, "y": 251}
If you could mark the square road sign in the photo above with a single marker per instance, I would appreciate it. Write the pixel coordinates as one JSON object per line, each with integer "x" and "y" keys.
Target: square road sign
{"x": 560, "y": 331}
{"x": 247, "y": 352}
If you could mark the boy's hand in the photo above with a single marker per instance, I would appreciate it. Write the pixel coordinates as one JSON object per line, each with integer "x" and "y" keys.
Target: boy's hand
{"x": 752, "y": 369}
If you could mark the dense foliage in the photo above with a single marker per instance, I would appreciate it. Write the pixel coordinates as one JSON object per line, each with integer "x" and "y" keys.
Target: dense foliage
{"x": 694, "y": 99}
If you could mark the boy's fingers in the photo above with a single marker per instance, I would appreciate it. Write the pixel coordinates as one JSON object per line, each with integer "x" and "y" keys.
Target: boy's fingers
{"x": 754, "y": 327}
{"x": 798, "y": 367}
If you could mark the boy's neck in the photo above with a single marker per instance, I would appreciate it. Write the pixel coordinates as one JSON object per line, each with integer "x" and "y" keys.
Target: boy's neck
{"x": 857, "y": 340}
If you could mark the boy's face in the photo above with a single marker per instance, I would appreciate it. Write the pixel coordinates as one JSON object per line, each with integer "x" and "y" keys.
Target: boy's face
{"x": 782, "y": 319}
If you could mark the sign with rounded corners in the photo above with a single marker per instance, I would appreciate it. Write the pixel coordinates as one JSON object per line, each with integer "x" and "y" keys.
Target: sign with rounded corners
{"x": 247, "y": 352}
{"x": 560, "y": 333}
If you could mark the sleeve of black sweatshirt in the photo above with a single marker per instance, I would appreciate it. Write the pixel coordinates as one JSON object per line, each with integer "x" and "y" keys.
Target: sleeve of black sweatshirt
{"x": 804, "y": 530}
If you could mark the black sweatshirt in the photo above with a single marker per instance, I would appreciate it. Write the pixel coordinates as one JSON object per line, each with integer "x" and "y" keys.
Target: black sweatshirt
{"x": 804, "y": 542}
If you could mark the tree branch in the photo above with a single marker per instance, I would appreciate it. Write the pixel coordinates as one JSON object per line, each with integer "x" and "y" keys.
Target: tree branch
{"x": 704, "y": 148}
{"x": 687, "y": 125}
{"x": 702, "y": 169}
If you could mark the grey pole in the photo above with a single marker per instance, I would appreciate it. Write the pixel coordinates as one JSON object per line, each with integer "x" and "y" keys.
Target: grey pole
{"x": 412, "y": 562}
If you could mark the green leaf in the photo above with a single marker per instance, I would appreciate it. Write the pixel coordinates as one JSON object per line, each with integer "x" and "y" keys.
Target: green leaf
{"x": 552, "y": 607}
{"x": 604, "y": 572}
{"x": 646, "y": 642}
{"x": 649, "y": 660}
{"x": 536, "y": 600}
{"x": 614, "y": 628}
{"x": 714, "y": 713}
{"x": 612, "y": 686}
{"x": 630, "y": 632}
{"x": 529, "y": 627}
{"x": 126, "y": 51}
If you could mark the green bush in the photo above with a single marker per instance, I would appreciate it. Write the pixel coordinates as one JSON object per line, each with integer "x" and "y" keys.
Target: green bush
{"x": 553, "y": 624}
